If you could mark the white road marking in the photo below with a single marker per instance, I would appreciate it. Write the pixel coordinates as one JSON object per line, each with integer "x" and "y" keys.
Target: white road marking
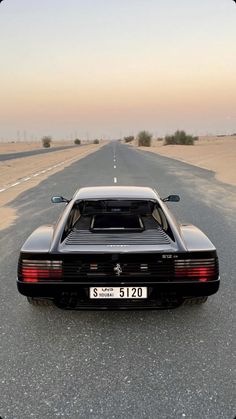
{"x": 41, "y": 172}
{"x": 115, "y": 179}
{"x": 114, "y": 166}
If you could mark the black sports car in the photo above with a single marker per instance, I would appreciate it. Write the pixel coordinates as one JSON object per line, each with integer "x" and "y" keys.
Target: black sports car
{"x": 117, "y": 247}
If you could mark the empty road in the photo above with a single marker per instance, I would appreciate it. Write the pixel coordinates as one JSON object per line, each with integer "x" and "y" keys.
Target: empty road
{"x": 22, "y": 154}
{"x": 121, "y": 364}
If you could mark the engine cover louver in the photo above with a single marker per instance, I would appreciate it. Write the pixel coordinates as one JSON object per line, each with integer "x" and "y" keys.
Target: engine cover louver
{"x": 147, "y": 237}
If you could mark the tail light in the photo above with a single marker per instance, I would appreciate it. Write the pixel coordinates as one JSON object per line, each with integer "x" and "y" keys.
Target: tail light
{"x": 196, "y": 269}
{"x": 40, "y": 270}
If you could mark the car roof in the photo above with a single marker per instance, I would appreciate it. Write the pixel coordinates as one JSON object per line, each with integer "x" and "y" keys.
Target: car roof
{"x": 116, "y": 192}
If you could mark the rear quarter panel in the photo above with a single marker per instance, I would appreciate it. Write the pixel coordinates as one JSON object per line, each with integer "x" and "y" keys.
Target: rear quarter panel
{"x": 39, "y": 241}
{"x": 195, "y": 239}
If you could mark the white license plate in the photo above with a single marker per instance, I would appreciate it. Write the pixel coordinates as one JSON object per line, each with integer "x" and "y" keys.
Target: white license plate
{"x": 117, "y": 292}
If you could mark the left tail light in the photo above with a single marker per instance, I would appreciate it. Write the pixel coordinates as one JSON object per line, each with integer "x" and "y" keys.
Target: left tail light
{"x": 40, "y": 270}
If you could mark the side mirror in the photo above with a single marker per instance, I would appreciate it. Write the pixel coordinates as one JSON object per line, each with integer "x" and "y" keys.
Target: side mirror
{"x": 59, "y": 200}
{"x": 171, "y": 198}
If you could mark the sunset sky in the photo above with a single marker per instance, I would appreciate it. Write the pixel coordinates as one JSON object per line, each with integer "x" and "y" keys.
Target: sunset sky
{"x": 99, "y": 68}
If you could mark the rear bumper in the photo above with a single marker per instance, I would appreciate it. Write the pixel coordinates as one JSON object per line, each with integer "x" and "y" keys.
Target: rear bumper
{"x": 78, "y": 293}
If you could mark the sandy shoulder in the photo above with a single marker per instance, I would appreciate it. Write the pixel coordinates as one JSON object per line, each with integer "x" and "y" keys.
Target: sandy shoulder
{"x": 212, "y": 153}
{"x": 14, "y": 170}
{"x": 25, "y": 173}
{"x": 20, "y": 146}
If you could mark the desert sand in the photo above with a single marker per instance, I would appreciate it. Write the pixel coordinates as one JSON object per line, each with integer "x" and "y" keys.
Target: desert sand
{"x": 213, "y": 153}
{"x": 13, "y": 170}
{"x": 18, "y": 175}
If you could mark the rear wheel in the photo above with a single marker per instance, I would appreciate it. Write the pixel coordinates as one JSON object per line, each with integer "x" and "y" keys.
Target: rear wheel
{"x": 40, "y": 301}
{"x": 194, "y": 301}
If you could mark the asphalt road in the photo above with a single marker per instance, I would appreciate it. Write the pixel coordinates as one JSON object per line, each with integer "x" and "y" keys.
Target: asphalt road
{"x": 12, "y": 156}
{"x": 121, "y": 364}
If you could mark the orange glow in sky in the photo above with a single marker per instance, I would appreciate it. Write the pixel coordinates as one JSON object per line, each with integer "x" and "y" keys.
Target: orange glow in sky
{"x": 113, "y": 69}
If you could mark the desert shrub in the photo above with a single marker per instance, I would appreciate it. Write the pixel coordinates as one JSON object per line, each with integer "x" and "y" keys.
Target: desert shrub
{"x": 46, "y": 141}
{"x": 129, "y": 139}
{"x": 96, "y": 142}
{"x": 77, "y": 141}
{"x": 144, "y": 139}
{"x": 180, "y": 137}
{"x": 170, "y": 139}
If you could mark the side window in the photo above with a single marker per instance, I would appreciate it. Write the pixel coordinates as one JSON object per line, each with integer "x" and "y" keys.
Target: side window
{"x": 163, "y": 220}
{"x": 73, "y": 217}
{"x": 157, "y": 216}
{"x": 160, "y": 217}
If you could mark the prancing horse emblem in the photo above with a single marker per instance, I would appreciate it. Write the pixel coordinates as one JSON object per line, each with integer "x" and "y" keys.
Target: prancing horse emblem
{"x": 118, "y": 269}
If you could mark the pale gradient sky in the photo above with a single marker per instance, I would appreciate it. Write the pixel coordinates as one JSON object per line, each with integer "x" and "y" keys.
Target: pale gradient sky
{"x": 111, "y": 68}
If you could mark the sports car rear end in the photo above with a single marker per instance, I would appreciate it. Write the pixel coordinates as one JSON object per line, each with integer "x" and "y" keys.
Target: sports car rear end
{"x": 118, "y": 252}
{"x": 116, "y": 280}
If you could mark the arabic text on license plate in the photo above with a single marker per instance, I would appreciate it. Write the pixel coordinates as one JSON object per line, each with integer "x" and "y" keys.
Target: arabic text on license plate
{"x": 118, "y": 292}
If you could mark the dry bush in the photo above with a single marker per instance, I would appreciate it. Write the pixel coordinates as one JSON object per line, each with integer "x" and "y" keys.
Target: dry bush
{"x": 129, "y": 139}
{"x": 46, "y": 141}
{"x": 180, "y": 137}
{"x": 144, "y": 139}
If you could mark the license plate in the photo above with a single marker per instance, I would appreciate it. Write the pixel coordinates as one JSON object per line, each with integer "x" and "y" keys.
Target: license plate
{"x": 117, "y": 292}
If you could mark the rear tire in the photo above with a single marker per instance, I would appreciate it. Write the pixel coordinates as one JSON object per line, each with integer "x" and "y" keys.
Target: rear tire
{"x": 40, "y": 301}
{"x": 194, "y": 301}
